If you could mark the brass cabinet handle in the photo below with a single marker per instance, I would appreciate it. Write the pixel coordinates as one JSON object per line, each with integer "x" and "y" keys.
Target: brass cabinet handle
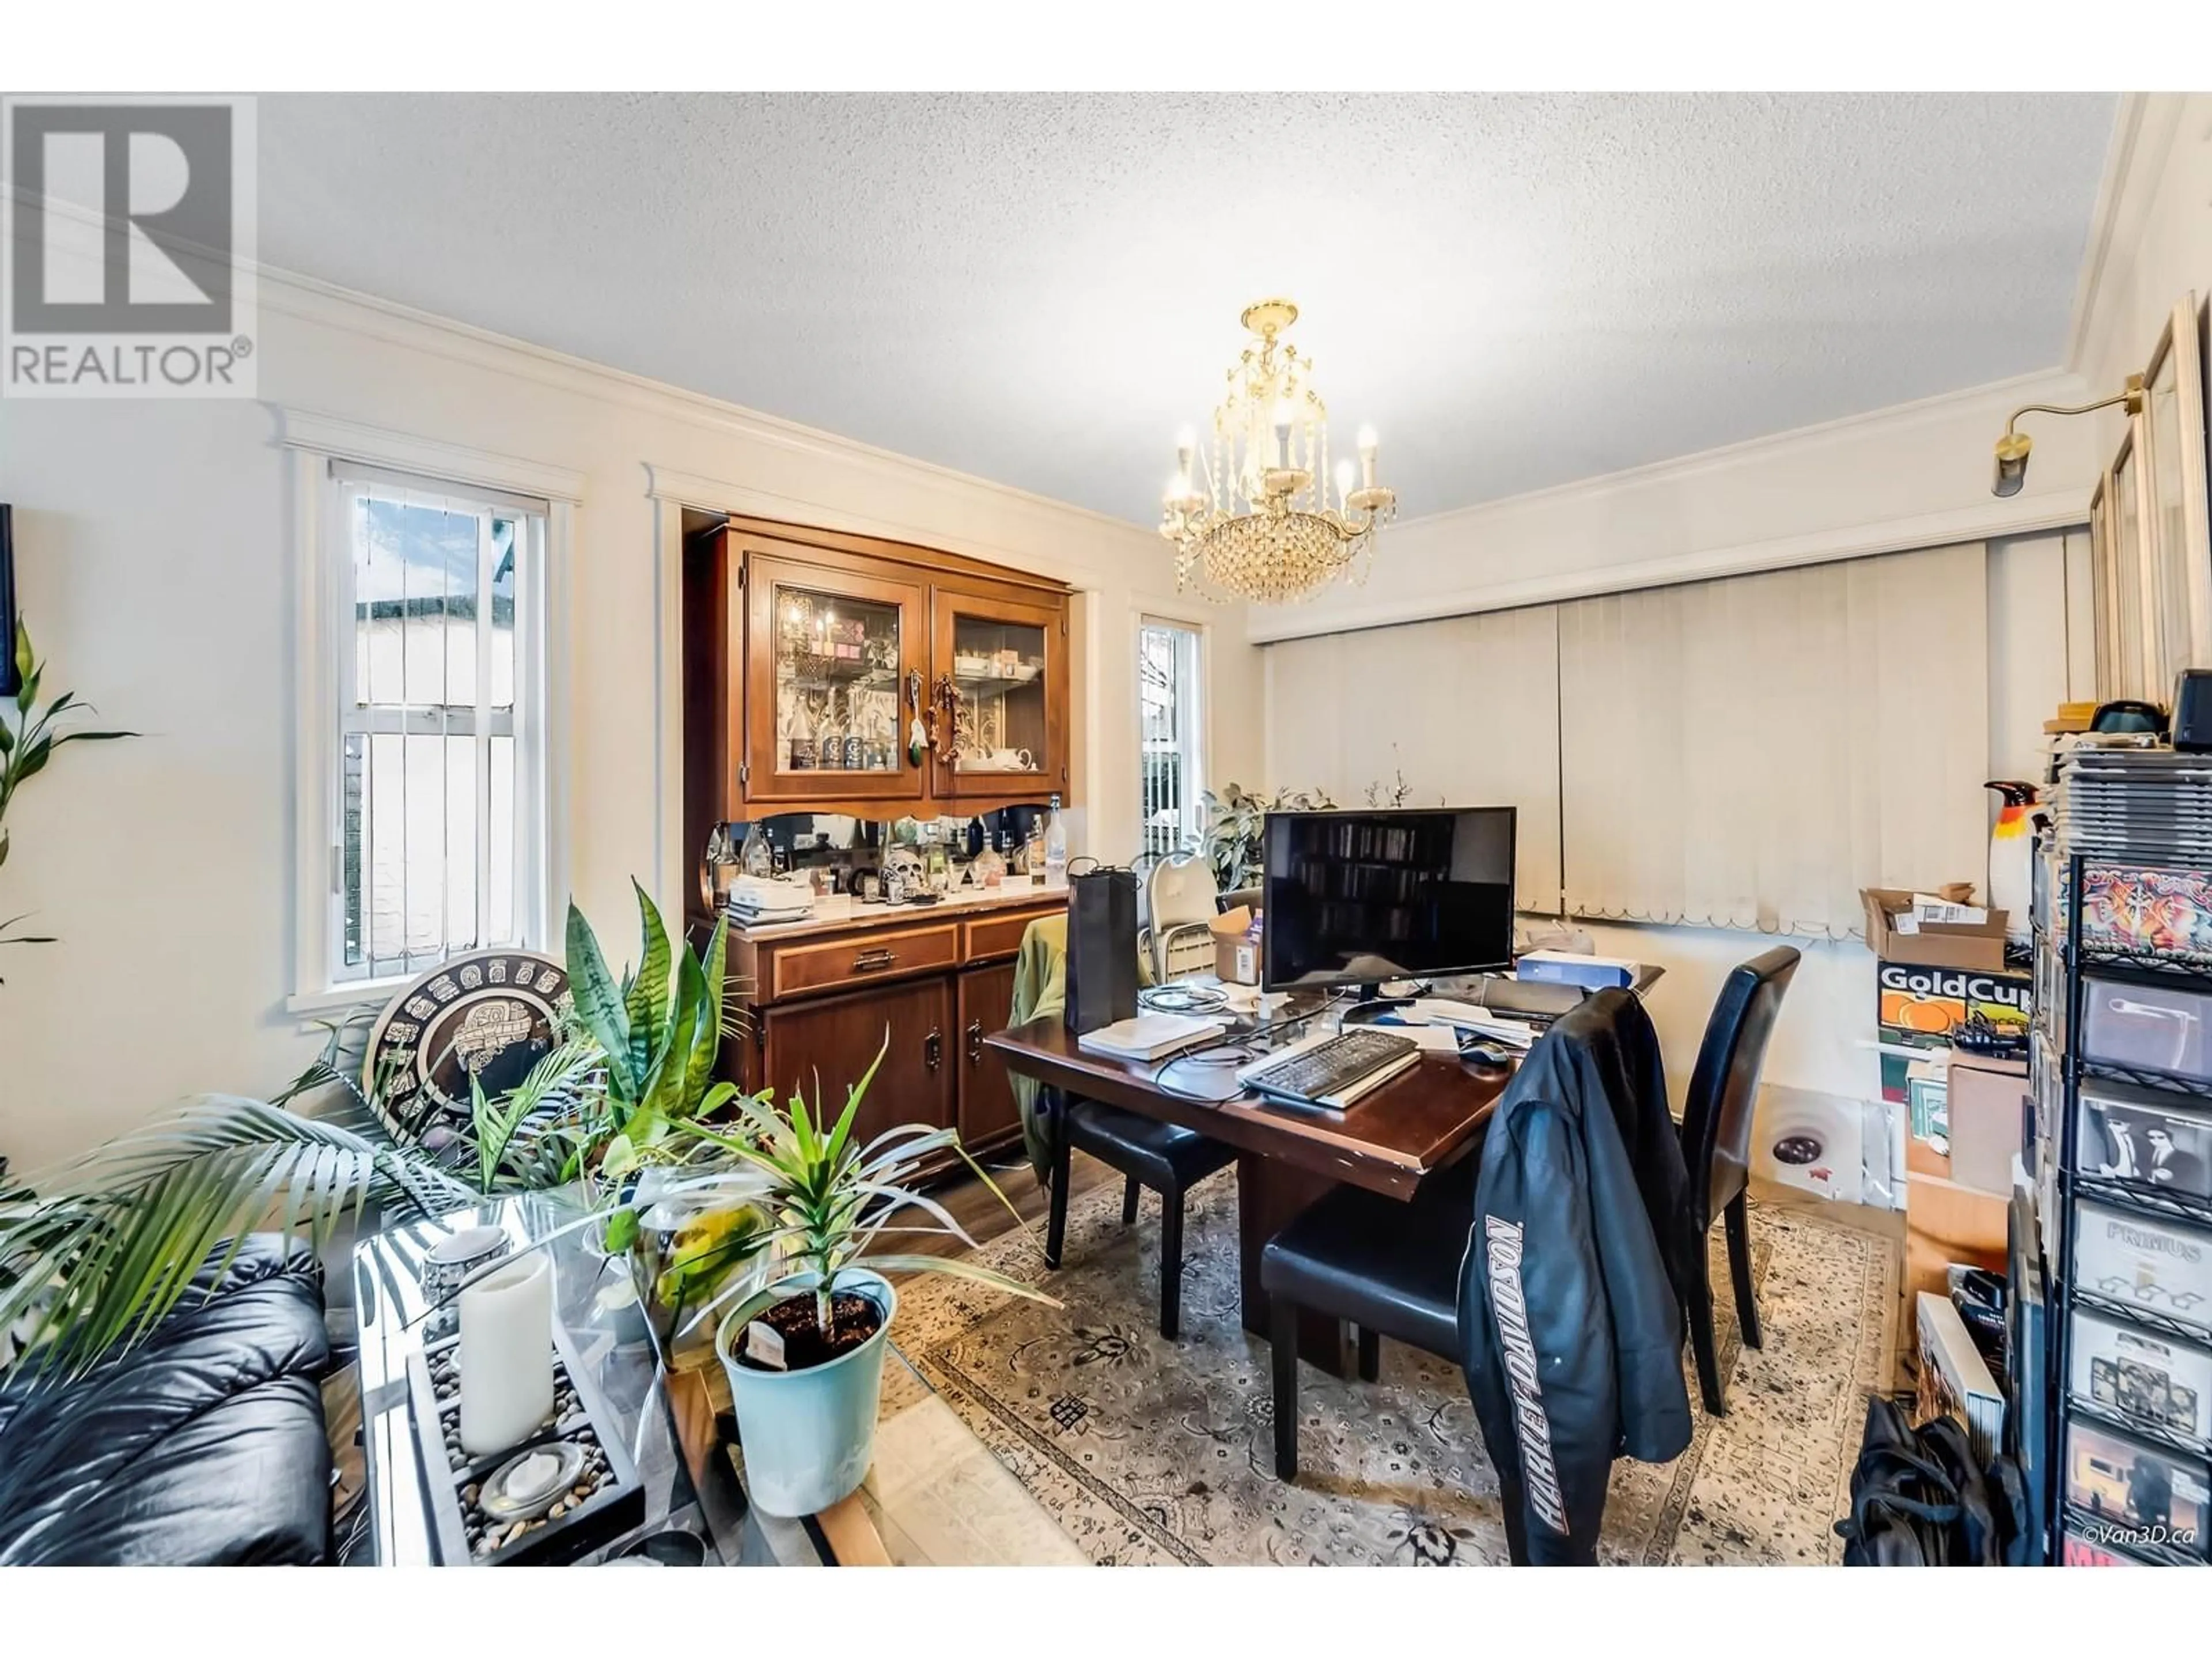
{"x": 870, "y": 962}
{"x": 933, "y": 1048}
{"x": 974, "y": 1041}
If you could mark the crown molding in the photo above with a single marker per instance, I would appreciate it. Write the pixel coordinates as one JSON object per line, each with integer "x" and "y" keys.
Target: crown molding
{"x": 350, "y": 440}
{"x": 1891, "y": 418}
{"x": 328, "y": 305}
{"x": 674, "y": 487}
{"x": 2103, "y": 221}
{"x": 2018, "y": 515}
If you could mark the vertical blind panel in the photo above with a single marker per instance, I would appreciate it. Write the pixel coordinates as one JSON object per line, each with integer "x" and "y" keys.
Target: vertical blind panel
{"x": 1465, "y": 707}
{"x": 1750, "y": 752}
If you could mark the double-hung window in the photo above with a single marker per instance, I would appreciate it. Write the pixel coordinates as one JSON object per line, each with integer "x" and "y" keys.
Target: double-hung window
{"x": 1168, "y": 655}
{"x": 436, "y": 776}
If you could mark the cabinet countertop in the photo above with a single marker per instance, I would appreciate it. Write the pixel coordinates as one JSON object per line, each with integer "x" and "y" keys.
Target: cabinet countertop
{"x": 838, "y": 911}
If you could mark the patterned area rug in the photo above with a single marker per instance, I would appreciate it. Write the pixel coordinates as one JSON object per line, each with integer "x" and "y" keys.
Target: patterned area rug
{"x": 1146, "y": 1451}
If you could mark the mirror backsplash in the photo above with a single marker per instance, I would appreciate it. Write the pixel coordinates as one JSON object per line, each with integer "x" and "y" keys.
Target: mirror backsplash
{"x": 836, "y": 849}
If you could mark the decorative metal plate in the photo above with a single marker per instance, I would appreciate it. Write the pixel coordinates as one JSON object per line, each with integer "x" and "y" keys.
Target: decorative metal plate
{"x": 490, "y": 1013}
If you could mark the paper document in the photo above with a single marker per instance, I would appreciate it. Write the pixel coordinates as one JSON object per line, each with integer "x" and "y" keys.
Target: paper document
{"x": 1927, "y": 908}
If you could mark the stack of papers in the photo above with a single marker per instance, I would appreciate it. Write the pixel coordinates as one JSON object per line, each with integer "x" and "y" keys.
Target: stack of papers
{"x": 1467, "y": 1017}
{"x": 1151, "y": 1036}
{"x": 754, "y": 902}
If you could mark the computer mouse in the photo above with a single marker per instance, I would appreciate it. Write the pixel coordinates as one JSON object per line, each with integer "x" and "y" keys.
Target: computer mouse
{"x": 1486, "y": 1055}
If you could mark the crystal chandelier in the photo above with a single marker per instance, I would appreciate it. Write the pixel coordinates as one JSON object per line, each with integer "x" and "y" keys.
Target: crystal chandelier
{"x": 1256, "y": 523}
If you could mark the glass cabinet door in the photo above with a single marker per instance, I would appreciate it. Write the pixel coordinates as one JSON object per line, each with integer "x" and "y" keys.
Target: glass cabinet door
{"x": 1002, "y": 672}
{"x": 833, "y": 665}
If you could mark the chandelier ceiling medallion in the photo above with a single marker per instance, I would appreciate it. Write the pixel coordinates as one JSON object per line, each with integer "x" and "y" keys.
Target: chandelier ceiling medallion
{"x": 1254, "y": 521}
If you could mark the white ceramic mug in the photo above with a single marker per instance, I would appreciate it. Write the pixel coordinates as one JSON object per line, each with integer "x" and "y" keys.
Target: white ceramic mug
{"x": 1014, "y": 760}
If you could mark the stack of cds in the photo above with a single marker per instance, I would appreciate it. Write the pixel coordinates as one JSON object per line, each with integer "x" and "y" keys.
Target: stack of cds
{"x": 2135, "y": 805}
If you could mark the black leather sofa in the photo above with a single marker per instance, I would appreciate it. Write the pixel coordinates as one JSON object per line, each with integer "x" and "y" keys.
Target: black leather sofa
{"x": 203, "y": 1446}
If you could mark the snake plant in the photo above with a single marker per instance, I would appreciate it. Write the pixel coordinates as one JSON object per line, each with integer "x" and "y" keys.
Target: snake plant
{"x": 657, "y": 1031}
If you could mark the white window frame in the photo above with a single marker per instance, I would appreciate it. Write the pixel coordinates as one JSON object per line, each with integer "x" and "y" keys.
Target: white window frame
{"x": 325, "y": 455}
{"x": 1194, "y": 738}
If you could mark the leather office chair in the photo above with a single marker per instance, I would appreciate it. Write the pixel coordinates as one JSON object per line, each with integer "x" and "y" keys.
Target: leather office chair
{"x": 1148, "y": 1153}
{"x": 1716, "y": 1122}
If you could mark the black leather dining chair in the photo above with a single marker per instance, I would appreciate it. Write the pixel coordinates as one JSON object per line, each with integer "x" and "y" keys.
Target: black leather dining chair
{"x": 1716, "y": 1123}
{"x": 1389, "y": 1266}
{"x": 1168, "y": 1159}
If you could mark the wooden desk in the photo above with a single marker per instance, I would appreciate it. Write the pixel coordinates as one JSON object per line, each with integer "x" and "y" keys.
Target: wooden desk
{"x": 1390, "y": 1142}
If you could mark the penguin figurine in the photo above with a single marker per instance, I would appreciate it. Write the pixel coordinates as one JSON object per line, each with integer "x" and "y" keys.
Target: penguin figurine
{"x": 2012, "y": 850}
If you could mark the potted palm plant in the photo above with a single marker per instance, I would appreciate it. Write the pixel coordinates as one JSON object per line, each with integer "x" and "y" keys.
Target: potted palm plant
{"x": 804, "y": 1352}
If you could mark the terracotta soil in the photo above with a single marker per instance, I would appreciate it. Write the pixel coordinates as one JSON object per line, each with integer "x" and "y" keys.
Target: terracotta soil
{"x": 852, "y": 1319}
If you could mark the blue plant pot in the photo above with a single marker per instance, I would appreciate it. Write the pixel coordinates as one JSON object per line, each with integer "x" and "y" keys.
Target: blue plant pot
{"x": 809, "y": 1436}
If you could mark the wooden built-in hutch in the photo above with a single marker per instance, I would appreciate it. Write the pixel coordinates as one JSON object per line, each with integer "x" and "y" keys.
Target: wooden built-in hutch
{"x": 812, "y": 661}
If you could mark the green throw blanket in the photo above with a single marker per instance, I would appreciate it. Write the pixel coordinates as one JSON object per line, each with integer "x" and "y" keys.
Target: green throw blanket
{"x": 1040, "y": 993}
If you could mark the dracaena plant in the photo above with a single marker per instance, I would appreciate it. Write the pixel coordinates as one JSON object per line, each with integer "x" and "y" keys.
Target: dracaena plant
{"x": 832, "y": 1198}
{"x": 30, "y": 737}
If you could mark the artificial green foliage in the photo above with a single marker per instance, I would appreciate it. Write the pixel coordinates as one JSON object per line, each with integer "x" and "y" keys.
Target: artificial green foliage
{"x": 30, "y": 737}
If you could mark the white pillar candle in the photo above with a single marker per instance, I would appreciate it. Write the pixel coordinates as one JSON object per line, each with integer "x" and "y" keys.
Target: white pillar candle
{"x": 507, "y": 1355}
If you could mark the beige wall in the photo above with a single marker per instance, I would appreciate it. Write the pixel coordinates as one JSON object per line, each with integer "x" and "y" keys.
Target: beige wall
{"x": 156, "y": 560}
{"x": 2153, "y": 242}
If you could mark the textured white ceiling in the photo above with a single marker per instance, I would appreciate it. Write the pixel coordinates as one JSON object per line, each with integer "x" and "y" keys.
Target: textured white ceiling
{"x": 1518, "y": 290}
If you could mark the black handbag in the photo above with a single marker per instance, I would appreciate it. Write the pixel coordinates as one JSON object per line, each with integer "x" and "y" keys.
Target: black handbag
{"x": 1920, "y": 1498}
{"x": 1102, "y": 949}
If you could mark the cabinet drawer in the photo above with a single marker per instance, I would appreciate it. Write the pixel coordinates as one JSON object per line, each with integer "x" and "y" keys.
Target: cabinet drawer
{"x": 998, "y": 936}
{"x": 797, "y": 968}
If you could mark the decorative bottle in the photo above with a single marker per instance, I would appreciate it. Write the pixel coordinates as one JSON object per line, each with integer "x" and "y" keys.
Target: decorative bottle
{"x": 758, "y": 856}
{"x": 1056, "y": 848}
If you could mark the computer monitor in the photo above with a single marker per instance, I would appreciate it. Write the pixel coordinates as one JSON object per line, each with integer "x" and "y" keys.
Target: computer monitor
{"x": 1357, "y": 899}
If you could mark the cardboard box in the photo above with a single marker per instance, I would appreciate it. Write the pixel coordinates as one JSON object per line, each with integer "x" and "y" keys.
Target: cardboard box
{"x": 1988, "y": 1104}
{"x": 1236, "y": 946}
{"x": 1977, "y": 947}
{"x": 1918, "y": 1007}
{"x": 1946, "y": 1223}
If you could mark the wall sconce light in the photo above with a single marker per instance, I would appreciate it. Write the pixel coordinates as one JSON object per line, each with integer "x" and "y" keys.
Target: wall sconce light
{"x": 2011, "y": 448}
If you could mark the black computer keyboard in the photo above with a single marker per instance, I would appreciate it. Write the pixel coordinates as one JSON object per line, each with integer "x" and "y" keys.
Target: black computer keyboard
{"x": 1331, "y": 1072}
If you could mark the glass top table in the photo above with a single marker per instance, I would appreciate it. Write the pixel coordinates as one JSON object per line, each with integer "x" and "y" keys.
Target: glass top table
{"x": 936, "y": 1496}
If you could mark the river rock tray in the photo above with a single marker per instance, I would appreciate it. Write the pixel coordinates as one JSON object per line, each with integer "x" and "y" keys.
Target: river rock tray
{"x": 601, "y": 1497}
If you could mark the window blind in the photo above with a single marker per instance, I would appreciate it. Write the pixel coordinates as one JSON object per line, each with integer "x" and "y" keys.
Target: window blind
{"x": 1751, "y": 751}
{"x": 1465, "y": 708}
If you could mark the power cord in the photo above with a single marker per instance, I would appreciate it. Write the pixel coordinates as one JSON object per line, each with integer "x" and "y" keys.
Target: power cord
{"x": 1240, "y": 1049}
{"x": 1181, "y": 999}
